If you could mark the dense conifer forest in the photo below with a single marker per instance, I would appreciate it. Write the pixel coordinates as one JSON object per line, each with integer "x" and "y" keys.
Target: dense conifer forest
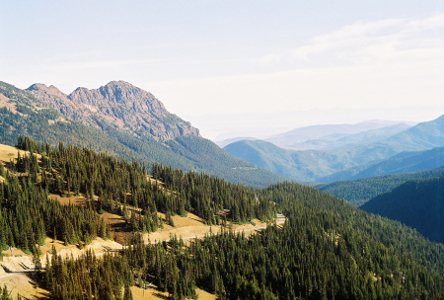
{"x": 327, "y": 249}
{"x": 358, "y": 192}
{"x": 417, "y": 203}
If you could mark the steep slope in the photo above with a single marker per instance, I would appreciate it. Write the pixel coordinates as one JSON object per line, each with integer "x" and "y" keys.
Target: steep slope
{"x": 120, "y": 104}
{"x": 416, "y": 203}
{"x": 357, "y": 192}
{"x": 103, "y": 120}
{"x": 55, "y": 99}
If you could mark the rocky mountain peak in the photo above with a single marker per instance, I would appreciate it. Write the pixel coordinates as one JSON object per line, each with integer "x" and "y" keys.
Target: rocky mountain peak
{"x": 120, "y": 105}
{"x": 37, "y": 86}
{"x": 120, "y": 83}
{"x": 40, "y": 88}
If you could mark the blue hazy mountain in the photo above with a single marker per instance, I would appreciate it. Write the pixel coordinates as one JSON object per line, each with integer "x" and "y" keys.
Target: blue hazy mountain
{"x": 331, "y": 136}
{"x": 348, "y": 161}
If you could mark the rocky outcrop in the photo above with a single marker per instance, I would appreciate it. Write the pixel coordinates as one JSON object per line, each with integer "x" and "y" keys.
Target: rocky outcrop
{"x": 120, "y": 105}
{"x": 55, "y": 99}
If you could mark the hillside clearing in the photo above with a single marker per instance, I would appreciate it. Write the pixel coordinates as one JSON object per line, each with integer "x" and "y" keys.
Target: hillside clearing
{"x": 8, "y": 152}
{"x": 16, "y": 270}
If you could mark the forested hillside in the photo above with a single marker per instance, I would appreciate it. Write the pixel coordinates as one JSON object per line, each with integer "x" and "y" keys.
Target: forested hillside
{"x": 300, "y": 165}
{"x": 110, "y": 185}
{"x": 416, "y": 203}
{"x": 176, "y": 144}
{"x": 327, "y": 249}
{"x": 357, "y": 192}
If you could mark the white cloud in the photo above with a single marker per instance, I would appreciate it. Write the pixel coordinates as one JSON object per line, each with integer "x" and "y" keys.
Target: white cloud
{"x": 369, "y": 42}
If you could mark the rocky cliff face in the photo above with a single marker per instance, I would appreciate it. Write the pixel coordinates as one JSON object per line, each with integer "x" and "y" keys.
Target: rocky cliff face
{"x": 119, "y": 104}
{"x": 54, "y": 98}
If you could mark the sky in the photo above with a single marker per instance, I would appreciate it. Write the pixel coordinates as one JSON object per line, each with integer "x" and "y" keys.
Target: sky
{"x": 239, "y": 68}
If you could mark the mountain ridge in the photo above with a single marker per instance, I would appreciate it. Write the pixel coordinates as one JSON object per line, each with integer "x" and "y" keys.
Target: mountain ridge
{"x": 312, "y": 137}
{"x": 46, "y": 119}
{"x": 119, "y": 103}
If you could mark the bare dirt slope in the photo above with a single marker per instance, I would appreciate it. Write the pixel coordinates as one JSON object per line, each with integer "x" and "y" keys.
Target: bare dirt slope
{"x": 193, "y": 226}
{"x": 17, "y": 270}
{"x": 16, "y": 273}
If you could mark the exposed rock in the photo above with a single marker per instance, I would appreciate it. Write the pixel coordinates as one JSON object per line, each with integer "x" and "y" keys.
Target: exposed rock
{"x": 119, "y": 104}
{"x": 54, "y": 98}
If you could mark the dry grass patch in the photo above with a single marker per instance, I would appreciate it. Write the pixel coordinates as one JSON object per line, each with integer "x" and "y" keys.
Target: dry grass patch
{"x": 13, "y": 252}
{"x": 8, "y": 152}
{"x": 150, "y": 178}
{"x": 76, "y": 200}
{"x": 154, "y": 294}
{"x": 6, "y": 102}
{"x": 188, "y": 226}
{"x": 22, "y": 283}
{"x": 98, "y": 245}
{"x": 193, "y": 226}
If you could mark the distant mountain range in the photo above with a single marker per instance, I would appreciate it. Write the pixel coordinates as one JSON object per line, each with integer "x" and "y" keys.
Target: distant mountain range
{"x": 403, "y": 162}
{"x": 122, "y": 120}
{"x": 417, "y": 203}
{"x": 349, "y": 155}
{"x": 327, "y": 137}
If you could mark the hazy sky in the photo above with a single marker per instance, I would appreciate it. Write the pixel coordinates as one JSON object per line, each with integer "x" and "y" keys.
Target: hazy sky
{"x": 238, "y": 67}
